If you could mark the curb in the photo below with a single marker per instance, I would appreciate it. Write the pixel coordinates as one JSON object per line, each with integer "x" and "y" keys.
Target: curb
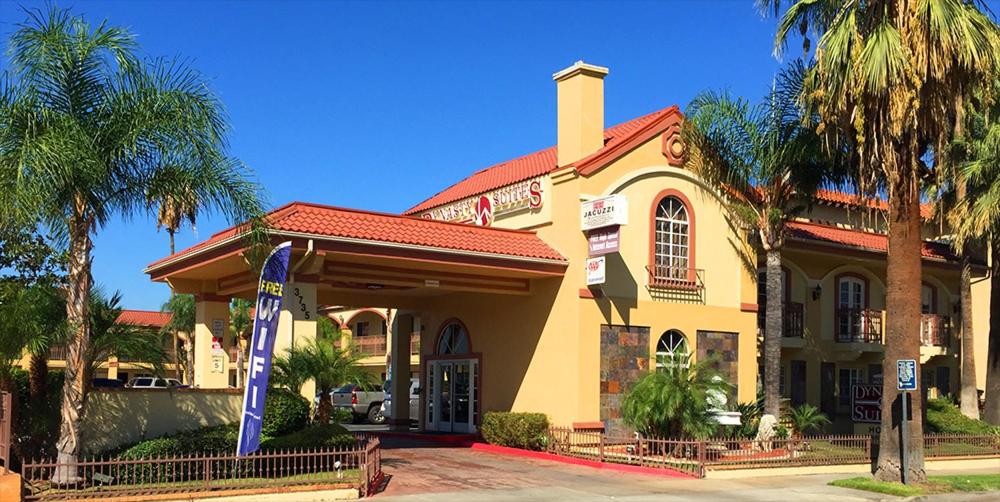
{"x": 540, "y": 455}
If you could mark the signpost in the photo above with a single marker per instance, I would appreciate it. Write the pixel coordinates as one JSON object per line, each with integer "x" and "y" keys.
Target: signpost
{"x": 906, "y": 380}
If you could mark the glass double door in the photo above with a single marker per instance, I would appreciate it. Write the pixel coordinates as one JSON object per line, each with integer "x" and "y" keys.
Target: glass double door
{"x": 452, "y": 394}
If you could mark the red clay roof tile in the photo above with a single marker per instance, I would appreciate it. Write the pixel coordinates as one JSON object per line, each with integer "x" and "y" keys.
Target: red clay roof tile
{"x": 528, "y": 166}
{"x": 863, "y": 240}
{"x": 146, "y": 318}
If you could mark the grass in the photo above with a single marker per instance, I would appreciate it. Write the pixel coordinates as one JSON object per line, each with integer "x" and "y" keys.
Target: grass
{"x": 934, "y": 484}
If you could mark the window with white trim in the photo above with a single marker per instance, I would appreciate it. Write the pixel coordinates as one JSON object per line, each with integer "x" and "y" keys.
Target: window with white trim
{"x": 671, "y": 248}
{"x": 672, "y": 350}
{"x": 453, "y": 341}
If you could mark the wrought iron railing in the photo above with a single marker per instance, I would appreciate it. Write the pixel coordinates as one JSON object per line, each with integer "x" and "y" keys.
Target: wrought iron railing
{"x": 935, "y": 330}
{"x": 792, "y": 320}
{"x": 854, "y": 325}
{"x": 678, "y": 278}
{"x": 359, "y": 466}
{"x": 371, "y": 345}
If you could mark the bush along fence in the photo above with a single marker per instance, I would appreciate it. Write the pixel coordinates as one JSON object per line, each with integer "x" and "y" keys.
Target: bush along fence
{"x": 358, "y": 466}
{"x": 694, "y": 457}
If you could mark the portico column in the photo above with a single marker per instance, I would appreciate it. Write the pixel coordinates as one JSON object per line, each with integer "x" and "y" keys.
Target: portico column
{"x": 400, "y": 327}
{"x": 297, "y": 321}
{"x": 211, "y": 366}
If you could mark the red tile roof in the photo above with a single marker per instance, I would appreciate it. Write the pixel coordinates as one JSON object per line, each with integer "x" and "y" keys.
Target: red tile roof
{"x": 317, "y": 219}
{"x": 530, "y": 166}
{"x": 867, "y": 241}
{"x": 147, "y": 318}
{"x": 843, "y": 198}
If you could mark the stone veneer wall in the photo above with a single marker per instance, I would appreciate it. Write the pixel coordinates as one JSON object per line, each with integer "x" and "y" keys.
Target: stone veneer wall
{"x": 624, "y": 359}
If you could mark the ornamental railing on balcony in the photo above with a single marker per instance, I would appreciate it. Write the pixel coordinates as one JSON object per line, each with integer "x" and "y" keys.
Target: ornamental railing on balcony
{"x": 373, "y": 345}
{"x": 678, "y": 278}
{"x": 792, "y": 320}
{"x": 57, "y": 353}
{"x": 935, "y": 330}
{"x": 854, "y": 325}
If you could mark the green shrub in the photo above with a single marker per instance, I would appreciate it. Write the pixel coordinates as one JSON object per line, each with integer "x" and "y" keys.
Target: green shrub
{"x": 517, "y": 430}
{"x": 284, "y": 412}
{"x": 318, "y": 435}
{"x": 341, "y": 416}
{"x": 218, "y": 439}
{"x": 944, "y": 417}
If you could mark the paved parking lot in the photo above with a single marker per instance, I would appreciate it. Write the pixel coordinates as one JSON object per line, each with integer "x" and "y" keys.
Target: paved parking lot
{"x": 420, "y": 471}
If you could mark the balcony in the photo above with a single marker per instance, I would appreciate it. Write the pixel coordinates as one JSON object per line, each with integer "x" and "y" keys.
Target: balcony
{"x": 935, "y": 330}
{"x": 792, "y": 320}
{"x": 373, "y": 345}
{"x": 858, "y": 326}
{"x": 57, "y": 353}
{"x": 676, "y": 278}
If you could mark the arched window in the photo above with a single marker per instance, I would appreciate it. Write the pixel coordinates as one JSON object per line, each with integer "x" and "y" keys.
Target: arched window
{"x": 454, "y": 340}
{"x": 672, "y": 350}
{"x": 671, "y": 248}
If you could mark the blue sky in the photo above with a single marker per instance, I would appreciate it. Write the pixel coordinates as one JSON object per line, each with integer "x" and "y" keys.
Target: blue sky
{"x": 380, "y": 105}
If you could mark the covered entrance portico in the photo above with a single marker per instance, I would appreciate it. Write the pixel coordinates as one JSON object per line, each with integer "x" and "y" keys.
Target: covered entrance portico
{"x": 432, "y": 275}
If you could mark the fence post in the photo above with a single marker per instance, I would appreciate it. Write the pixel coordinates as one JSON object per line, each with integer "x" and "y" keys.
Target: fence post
{"x": 208, "y": 471}
{"x": 701, "y": 457}
{"x": 641, "y": 446}
{"x": 600, "y": 447}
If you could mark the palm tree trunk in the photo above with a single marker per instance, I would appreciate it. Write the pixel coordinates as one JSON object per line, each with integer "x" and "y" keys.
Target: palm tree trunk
{"x": 902, "y": 340}
{"x": 170, "y": 232}
{"x": 38, "y": 378}
{"x": 177, "y": 362}
{"x": 772, "y": 334}
{"x": 325, "y": 410}
{"x": 969, "y": 395}
{"x": 239, "y": 364}
{"x": 992, "y": 411}
{"x": 189, "y": 355}
{"x": 78, "y": 317}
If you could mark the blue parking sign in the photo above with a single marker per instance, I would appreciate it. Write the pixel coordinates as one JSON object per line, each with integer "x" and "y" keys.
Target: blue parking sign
{"x": 906, "y": 374}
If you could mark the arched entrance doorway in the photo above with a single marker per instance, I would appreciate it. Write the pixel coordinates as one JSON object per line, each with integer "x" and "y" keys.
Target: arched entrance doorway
{"x": 453, "y": 382}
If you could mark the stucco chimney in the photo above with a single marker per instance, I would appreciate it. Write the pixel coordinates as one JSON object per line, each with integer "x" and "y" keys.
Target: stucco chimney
{"x": 580, "y": 103}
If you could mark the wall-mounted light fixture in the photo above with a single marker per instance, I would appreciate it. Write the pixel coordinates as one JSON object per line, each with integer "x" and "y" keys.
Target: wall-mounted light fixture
{"x": 817, "y": 292}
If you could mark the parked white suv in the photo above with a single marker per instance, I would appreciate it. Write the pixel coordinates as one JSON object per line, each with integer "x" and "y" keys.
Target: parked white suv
{"x": 414, "y": 399}
{"x": 153, "y": 383}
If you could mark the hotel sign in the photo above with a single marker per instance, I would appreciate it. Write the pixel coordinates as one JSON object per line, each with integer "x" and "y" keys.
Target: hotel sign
{"x": 604, "y": 212}
{"x": 603, "y": 241}
{"x": 866, "y": 403}
{"x": 483, "y": 209}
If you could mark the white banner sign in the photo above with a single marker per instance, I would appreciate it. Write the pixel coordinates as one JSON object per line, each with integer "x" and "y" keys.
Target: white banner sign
{"x": 596, "y": 271}
{"x": 482, "y": 209}
{"x": 604, "y": 212}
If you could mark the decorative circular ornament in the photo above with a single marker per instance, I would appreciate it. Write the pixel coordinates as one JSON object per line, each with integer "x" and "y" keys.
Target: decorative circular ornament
{"x": 484, "y": 211}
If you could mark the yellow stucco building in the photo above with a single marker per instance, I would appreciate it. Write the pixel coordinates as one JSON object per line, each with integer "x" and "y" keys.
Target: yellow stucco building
{"x": 552, "y": 281}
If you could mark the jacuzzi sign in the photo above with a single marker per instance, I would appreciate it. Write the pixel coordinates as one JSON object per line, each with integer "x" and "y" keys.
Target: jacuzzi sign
{"x": 604, "y": 212}
{"x": 483, "y": 209}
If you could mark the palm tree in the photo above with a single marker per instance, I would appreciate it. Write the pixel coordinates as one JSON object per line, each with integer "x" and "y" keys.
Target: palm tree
{"x": 85, "y": 125}
{"x": 807, "y": 418}
{"x": 768, "y": 163}
{"x": 240, "y": 324}
{"x": 977, "y": 217}
{"x": 182, "y": 319}
{"x": 675, "y": 401}
{"x": 888, "y": 79}
{"x": 327, "y": 365}
{"x": 127, "y": 342}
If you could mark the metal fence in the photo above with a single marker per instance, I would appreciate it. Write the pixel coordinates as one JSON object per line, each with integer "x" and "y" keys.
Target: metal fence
{"x": 356, "y": 466}
{"x": 695, "y": 456}
{"x": 5, "y": 426}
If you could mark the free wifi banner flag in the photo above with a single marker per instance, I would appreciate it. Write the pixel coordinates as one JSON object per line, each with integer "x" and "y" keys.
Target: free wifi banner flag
{"x": 265, "y": 329}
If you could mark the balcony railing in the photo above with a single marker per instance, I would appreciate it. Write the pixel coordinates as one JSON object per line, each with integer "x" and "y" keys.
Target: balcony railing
{"x": 858, "y": 325}
{"x": 935, "y": 330}
{"x": 370, "y": 345}
{"x": 677, "y": 278}
{"x": 57, "y": 353}
{"x": 792, "y": 320}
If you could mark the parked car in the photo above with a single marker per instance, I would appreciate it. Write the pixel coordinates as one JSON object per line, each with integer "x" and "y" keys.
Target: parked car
{"x": 360, "y": 402}
{"x": 154, "y": 383}
{"x": 107, "y": 383}
{"x": 414, "y": 399}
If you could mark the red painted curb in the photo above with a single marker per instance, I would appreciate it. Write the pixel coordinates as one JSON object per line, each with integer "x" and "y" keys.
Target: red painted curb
{"x": 540, "y": 455}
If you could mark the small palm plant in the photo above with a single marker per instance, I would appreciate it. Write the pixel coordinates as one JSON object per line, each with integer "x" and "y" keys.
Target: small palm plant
{"x": 329, "y": 366}
{"x": 807, "y": 418}
{"x": 675, "y": 401}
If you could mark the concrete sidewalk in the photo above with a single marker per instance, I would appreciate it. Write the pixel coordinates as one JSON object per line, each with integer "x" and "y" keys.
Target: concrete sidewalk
{"x": 421, "y": 471}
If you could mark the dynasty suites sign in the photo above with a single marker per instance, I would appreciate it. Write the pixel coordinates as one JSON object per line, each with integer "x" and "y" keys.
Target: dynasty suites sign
{"x": 866, "y": 403}
{"x": 482, "y": 209}
{"x": 604, "y": 212}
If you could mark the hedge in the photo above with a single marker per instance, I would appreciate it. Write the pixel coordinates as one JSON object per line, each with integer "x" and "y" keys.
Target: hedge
{"x": 284, "y": 412}
{"x": 517, "y": 430}
{"x": 944, "y": 417}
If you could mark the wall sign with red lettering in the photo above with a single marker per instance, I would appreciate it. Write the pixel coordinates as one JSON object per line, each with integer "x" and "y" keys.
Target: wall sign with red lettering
{"x": 483, "y": 209}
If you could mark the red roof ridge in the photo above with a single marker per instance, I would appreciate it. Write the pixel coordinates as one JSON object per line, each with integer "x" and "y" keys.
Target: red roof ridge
{"x": 411, "y": 217}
